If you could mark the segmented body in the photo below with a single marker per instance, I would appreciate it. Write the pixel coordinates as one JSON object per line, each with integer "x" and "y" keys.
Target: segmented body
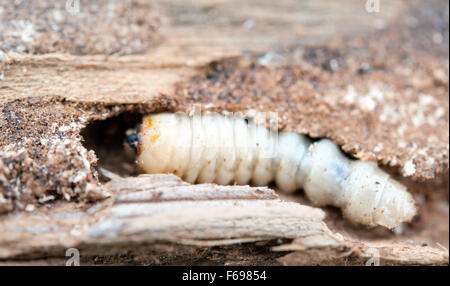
{"x": 227, "y": 150}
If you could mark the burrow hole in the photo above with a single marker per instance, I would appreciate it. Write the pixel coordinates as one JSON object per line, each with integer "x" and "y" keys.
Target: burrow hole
{"x": 108, "y": 140}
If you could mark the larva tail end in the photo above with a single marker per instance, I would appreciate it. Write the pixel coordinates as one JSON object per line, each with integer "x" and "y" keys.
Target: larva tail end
{"x": 372, "y": 198}
{"x": 398, "y": 205}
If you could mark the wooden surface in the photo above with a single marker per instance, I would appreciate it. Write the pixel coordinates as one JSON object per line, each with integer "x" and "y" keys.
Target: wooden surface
{"x": 226, "y": 55}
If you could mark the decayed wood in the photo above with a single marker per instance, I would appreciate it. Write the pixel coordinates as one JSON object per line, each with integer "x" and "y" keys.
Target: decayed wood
{"x": 150, "y": 211}
{"x": 161, "y": 208}
{"x": 164, "y": 208}
{"x": 330, "y": 248}
{"x": 160, "y": 211}
{"x": 169, "y": 188}
{"x": 107, "y": 79}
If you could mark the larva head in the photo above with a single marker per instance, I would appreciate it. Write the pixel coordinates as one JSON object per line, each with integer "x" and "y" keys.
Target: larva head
{"x": 157, "y": 137}
{"x": 134, "y": 138}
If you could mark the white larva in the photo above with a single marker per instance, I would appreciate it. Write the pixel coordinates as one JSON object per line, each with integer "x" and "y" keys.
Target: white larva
{"x": 226, "y": 150}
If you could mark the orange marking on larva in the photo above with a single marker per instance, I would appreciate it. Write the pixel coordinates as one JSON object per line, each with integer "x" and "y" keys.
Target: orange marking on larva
{"x": 154, "y": 138}
{"x": 224, "y": 159}
{"x": 209, "y": 162}
{"x": 149, "y": 123}
{"x": 382, "y": 211}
